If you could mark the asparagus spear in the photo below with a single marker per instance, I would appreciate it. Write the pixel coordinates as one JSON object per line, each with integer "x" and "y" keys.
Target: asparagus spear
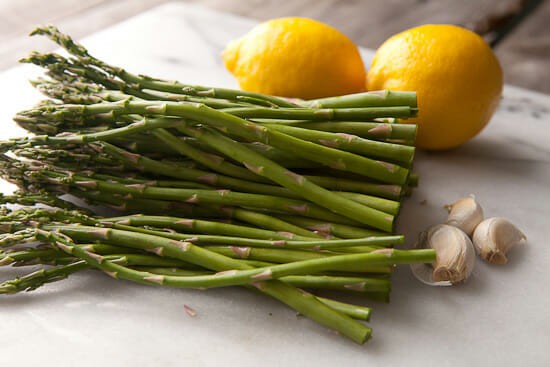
{"x": 40, "y": 277}
{"x": 261, "y": 220}
{"x": 376, "y": 98}
{"x": 397, "y": 153}
{"x": 187, "y": 252}
{"x": 239, "y": 235}
{"x": 336, "y": 229}
{"x": 157, "y": 265}
{"x": 303, "y": 302}
{"x": 150, "y": 83}
{"x": 383, "y": 171}
{"x": 400, "y": 133}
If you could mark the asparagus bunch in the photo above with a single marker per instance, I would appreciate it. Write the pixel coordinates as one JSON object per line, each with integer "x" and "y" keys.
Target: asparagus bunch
{"x": 136, "y": 249}
{"x": 218, "y": 187}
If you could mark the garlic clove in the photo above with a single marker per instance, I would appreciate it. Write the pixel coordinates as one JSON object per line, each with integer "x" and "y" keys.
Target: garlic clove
{"x": 424, "y": 273}
{"x": 494, "y": 237}
{"x": 455, "y": 256}
{"x": 465, "y": 214}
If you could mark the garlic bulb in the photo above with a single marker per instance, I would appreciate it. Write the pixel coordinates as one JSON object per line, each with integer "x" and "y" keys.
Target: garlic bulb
{"x": 455, "y": 256}
{"x": 465, "y": 214}
{"x": 494, "y": 237}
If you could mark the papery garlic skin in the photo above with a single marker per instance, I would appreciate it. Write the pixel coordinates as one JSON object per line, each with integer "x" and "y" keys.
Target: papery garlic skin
{"x": 494, "y": 237}
{"x": 455, "y": 255}
{"x": 465, "y": 214}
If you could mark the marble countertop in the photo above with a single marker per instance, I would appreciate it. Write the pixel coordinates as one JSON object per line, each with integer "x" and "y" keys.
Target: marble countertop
{"x": 500, "y": 317}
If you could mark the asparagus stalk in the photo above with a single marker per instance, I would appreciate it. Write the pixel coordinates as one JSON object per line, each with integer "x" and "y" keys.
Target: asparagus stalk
{"x": 40, "y": 197}
{"x": 148, "y": 145}
{"x": 147, "y": 164}
{"x": 31, "y": 256}
{"x": 375, "y": 99}
{"x": 160, "y": 266}
{"x": 265, "y": 221}
{"x": 354, "y": 311}
{"x": 214, "y": 162}
{"x": 38, "y": 278}
{"x": 286, "y": 256}
{"x": 187, "y": 252}
{"x": 381, "y": 204}
{"x": 239, "y": 235}
{"x": 328, "y": 228}
{"x": 208, "y": 259}
{"x": 172, "y": 227}
{"x": 342, "y": 184}
{"x": 383, "y": 171}
{"x": 401, "y": 133}
{"x": 260, "y": 220}
{"x": 341, "y": 283}
{"x": 150, "y": 83}
{"x": 303, "y": 226}
{"x": 397, "y": 153}
{"x": 220, "y": 197}
{"x": 330, "y": 114}
{"x": 303, "y": 302}
{"x": 81, "y": 92}
{"x": 56, "y": 63}
{"x": 193, "y": 226}
{"x": 289, "y": 179}
{"x": 310, "y": 244}
{"x": 195, "y": 175}
{"x": 253, "y": 241}
{"x": 223, "y": 197}
{"x": 393, "y": 192}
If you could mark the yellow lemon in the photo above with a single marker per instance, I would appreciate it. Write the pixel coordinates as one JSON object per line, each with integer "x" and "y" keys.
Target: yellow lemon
{"x": 456, "y": 75}
{"x": 296, "y": 57}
